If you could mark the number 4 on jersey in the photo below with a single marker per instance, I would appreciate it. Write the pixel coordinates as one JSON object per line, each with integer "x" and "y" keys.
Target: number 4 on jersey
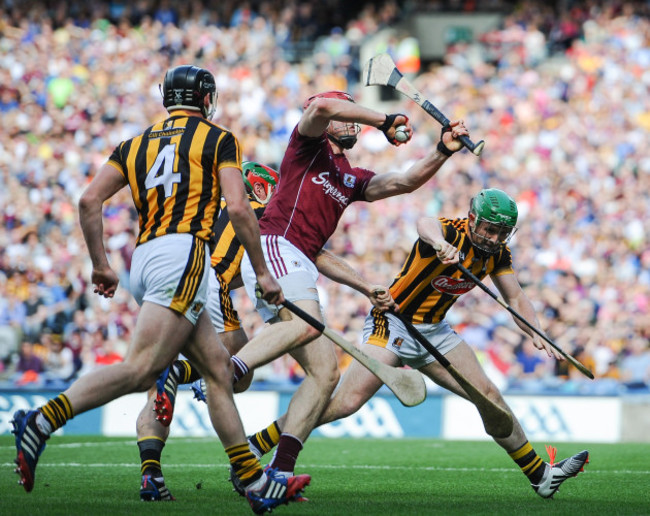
{"x": 162, "y": 171}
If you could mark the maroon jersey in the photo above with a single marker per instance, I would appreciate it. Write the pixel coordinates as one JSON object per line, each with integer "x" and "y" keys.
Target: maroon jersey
{"x": 315, "y": 187}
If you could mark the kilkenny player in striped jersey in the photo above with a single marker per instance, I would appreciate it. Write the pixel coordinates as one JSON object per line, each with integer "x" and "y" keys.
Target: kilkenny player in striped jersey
{"x": 260, "y": 182}
{"x": 426, "y": 287}
{"x": 157, "y": 414}
{"x": 176, "y": 170}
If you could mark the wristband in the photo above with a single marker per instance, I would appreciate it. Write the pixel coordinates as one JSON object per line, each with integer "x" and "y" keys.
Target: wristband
{"x": 442, "y": 149}
{"x": 388, "y": 123}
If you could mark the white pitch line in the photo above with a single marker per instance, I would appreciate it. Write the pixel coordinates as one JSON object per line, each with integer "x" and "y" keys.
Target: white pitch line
{"x": 131, "y": 443}
{"x": 323, "y": 466}
{"x": 117, "y": 443}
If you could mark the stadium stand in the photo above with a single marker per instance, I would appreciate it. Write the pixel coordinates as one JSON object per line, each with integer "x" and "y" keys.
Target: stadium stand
{"x": 562, "y": 103}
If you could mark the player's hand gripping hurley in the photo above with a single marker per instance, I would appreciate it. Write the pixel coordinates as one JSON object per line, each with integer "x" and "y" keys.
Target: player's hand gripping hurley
{"x": 407, "y": 384}
{"x": 381, "y": 71}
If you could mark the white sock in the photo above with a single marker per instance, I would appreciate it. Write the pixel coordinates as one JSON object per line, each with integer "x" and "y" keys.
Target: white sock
{"x": 43, "y": 424}
{"x": 258, "y": 484}
{"x": 255, "y": 450}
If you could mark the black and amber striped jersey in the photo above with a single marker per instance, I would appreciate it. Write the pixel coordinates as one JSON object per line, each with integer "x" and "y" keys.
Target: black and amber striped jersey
{"x": 227, "y": 255}
{"x": 425, "y": 289}
{"x": 172, "y": 170}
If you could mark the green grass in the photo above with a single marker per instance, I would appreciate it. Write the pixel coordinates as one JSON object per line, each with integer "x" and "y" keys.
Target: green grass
{"x": 350, "y": 477}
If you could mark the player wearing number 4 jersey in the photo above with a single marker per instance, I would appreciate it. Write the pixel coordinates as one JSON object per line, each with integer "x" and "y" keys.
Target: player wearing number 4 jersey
{"x": 153, "y": 426}
{"x": 175, "y": 170}
{"x": 260, "y": 182}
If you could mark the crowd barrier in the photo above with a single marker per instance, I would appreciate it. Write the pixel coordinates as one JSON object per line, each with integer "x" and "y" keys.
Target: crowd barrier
{"x": 544, "y": 418}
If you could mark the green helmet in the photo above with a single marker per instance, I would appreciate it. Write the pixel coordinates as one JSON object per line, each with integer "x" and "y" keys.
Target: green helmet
{"x": 256, "y": 173}
{"x": 495, "y": 214}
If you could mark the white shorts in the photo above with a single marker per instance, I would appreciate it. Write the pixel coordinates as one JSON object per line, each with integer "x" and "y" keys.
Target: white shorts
{"x": 172, "y": 271}
{"x": 295, "y": 273}
{"x": 222, "y": 313}
{"x": 387, "y": 331}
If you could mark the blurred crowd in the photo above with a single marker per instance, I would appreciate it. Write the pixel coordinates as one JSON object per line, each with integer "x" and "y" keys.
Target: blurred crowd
{"x": 563, "y": 103}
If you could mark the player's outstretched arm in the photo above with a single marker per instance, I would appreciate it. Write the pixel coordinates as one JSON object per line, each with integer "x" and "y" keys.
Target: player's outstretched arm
{"x": 337, "y": 269}
{"x": 318, "y": 114}
{"x": 382, "y": 186}
{"x": 512, "y": 293}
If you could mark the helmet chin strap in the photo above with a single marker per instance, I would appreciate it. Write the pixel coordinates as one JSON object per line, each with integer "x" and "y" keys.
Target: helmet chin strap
{"x": 345, "y": 142}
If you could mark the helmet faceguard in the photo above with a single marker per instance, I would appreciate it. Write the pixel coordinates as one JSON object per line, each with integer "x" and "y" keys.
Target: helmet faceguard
{"x": 493, "y": 219}
{"x": 343, "y": 134}
{"x": 186, "y": 86}
{"x": 261, "y": 178}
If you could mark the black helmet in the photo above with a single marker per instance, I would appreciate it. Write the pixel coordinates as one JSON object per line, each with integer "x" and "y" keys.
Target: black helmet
{"x": 186, "y": 86}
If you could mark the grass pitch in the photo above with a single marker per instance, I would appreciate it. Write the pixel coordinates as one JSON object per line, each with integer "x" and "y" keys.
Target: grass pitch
{"x": 94, "y": 475}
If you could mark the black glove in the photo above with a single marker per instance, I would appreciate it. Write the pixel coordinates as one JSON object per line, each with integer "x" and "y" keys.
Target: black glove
{"x": 388, "y": 123}
{"x": 442, "y": 148}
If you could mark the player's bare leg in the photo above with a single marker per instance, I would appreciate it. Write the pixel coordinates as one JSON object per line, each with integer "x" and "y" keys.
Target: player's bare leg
{"x": 319, "y": 362}
{"x": 213, "y": 361}
{"x": 151, "y": 440}
{"x": 159, "y": 335}
{"x": 357, "y": 386}
{"x": 544, "y": 478}
{"x": 281, "y": 337}
{"x": 464, "y": 360}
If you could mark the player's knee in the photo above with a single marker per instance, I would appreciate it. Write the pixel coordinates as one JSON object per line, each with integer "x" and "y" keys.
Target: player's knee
{"x": 244, "y": 383}
{"x": 137, "y": 377}
{"x": 143, "y": 382}
{"x": 494, "y": 395}
{"x": 348, "y": 406}
{"x": 327, "y": 376}
{"x": 345, "y": 404}
{"x": 308, "y": 334}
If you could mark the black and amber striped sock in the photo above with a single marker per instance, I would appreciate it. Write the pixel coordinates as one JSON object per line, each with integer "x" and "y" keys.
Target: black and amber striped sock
{"x": 247, "y": 467}
{"x": 150, "y": 451}
{"x": 186, "y": 373}
{"x": 265, "y": 440}
{"x": 530, "y": 463}
{"x": 57, "y": 411}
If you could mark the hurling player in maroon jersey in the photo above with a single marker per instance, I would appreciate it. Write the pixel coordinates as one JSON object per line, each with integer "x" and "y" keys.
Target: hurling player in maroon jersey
{"x": 317, "y": 184}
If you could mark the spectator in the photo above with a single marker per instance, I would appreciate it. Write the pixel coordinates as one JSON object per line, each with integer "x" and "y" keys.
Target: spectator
{"x": 529, "y": 361}
{"x": 29, "y": 366}
{"x": 59, "y": 360}
{"x": 635, "y": 365}
{"x": 579, "y": 174}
